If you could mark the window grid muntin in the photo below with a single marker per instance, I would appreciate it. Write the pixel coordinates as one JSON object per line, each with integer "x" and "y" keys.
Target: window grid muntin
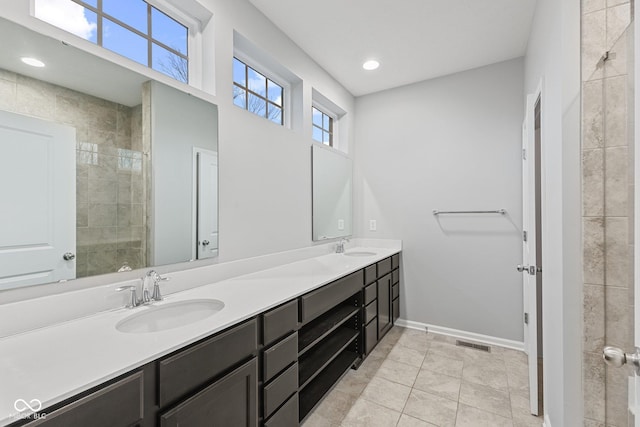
{"x": 265, "y": 98}
{"x": 323, "y": 115}
{"x": 150, "y": 40}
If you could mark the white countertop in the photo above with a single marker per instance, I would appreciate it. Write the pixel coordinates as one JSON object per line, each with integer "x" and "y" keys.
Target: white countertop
{"x": 54, "y": 363}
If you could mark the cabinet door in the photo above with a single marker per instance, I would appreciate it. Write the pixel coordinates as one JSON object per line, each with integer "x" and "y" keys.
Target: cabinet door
{"x": 384, "y": 305}
{"x": 230, "y": 401}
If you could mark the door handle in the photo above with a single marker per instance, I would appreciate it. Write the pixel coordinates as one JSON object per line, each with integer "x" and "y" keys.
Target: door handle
{"x": 69, "y": 256}
{"x": 531, "y": 269}
{"x": 614, "y": 356}
{"x": 205, "y": 242}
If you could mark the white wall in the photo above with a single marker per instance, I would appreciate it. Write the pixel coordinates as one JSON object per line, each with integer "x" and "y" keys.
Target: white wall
{"x": 553, "y": 57}
{"x": 451, "y": 143}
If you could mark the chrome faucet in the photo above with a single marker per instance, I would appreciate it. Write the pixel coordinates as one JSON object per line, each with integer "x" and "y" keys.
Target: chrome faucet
{"x": 147, "y": 296}
{"x": 156, "y": 295}
{"x": 340, "y": 246}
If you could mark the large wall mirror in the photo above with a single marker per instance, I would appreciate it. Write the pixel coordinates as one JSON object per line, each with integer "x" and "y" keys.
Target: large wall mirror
{"x": 101, "y": 170}
{"x": 332, "y": 192}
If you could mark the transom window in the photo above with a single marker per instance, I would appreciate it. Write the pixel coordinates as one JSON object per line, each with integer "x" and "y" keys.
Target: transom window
{"x": 322, "y": 127}
{"x": 131, "y": 28}
{"x": 254, "y": 92}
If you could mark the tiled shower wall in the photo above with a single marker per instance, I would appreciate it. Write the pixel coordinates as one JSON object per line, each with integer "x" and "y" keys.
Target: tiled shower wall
{"x": 607, "y": 194}
{"x": 110, "y": 189}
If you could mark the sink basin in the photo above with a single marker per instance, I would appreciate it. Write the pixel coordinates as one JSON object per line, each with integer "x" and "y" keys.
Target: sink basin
{"x": 169, "y": 316}
{"x": 359, "y": 253}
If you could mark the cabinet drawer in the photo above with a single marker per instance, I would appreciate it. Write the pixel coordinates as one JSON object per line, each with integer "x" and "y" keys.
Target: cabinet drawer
{"x": 192, "y": 368}
{"x": 230, "y": 401}
{"x": 117, "y": 405}
{"x": 395, "y": 261}
{"x": 279, "y": 322}
{"x": 317, "y": 302}
{"x": 370, "y": 274}
{"x": 280, "y": 389}
{"x": 371, "y": 335}
{"x": 395, "y": 276}
{"x": 286, "y": 416}
{"x": 370, "y": 293}
{"x": 396, "y": 309}
{"x": 396, "y": 291}
{"x": 384, "y": 267}
{"x": 279, "y": 356}
{"x": 370, "y": 312}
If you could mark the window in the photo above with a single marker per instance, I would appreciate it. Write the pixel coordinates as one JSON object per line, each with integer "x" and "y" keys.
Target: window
{"x": 131, "y": 28}
{"x": 322, "y": 127}
{"x": 255, "y": 92}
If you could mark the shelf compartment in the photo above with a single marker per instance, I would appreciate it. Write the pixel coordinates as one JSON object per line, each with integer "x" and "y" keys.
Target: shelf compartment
{"x": 319, "y": 386}
{"x": 315, "y": 361}
{"x": 317, "y": 330}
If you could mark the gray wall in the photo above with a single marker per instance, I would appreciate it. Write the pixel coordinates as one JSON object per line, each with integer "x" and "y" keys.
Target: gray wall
{"x": 179, "y": 123}
{"x": 451, "y": 143}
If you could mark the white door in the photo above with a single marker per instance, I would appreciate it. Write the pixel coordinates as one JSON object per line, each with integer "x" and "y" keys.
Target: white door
{"x": 529, "y": 262}
{"x": 207, "y": 203}
{"x": 37, "y": 201}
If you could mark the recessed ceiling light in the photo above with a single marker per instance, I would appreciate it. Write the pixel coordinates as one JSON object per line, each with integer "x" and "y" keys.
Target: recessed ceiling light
{"x": 370, "y": 65}
{"x": 32, "y": 61}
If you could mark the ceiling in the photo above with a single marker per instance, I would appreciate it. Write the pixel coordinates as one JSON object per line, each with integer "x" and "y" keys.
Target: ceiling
{"x": 413, "y": 40}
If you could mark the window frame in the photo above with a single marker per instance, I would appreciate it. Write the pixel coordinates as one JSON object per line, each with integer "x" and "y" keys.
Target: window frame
{"x": 332, "y": 124}
{"x": 265, "y": 98}
{"x": 163, "y": 8}
{"x": 274, "y": 77}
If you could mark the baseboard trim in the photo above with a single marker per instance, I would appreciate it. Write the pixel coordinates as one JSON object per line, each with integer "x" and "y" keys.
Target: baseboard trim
{"x": 485, "y": 339}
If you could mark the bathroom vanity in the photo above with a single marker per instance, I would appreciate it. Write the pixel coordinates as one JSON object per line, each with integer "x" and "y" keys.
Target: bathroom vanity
{"x": 269, "y": 368}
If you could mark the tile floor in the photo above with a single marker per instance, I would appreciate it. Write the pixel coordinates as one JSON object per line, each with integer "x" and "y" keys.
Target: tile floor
{"x": 417, "y": 379}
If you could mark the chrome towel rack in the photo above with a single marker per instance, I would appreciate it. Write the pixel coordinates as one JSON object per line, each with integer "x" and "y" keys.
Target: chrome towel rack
{"x": 498, "y": 211}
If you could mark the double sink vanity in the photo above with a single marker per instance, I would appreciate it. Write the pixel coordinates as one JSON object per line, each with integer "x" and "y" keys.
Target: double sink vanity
{"x": 256, "y": 349}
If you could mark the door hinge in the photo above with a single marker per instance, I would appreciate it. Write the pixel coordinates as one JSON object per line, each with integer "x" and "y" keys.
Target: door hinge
{"x": 526, "y": 318}
{"x": 524, "y": 235}
{"x": 524, "y": 154}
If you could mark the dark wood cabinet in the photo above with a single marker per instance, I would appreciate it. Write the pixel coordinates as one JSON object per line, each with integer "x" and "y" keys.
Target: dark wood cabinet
{"x": 230, "y": 401}
{"x": 270, "y": 370}
{"x": 119, "y": 404}
{"x": 384, "y": 305}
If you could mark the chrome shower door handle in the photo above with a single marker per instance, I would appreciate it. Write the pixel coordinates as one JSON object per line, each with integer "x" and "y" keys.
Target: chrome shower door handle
{"x": 616, "y": 357}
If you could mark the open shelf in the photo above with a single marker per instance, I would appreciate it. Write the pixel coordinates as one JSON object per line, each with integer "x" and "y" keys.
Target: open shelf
{"x": 313, "y": 362}
{"x": 323, "y": 326}
{"x": 318, "y": 387}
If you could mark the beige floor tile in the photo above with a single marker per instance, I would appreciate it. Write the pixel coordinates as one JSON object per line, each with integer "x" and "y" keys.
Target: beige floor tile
{"x": 420, "y": 343}
{"x": 485, "y": 398}
{"x": 407, "y": 421}
{"x": 398, "y": 372}
{"x": 438, "y": 362}
{"x": 448, "y": 349}
{"x": 316, "y": 420}
{"x": 407, "y": 355}
{"x": 386, "y": 393}
{"x": 486, "y": 373}
{"x": 528, "y": 421}
{"x": 368, "y": 414}
{"x": 335, "y": 406}
{"x": 436, "y": 383}
{"x": 520, "y": 404}
{"x": 352, "y": 383}
{"x": 431, "y": 408}
{"x": 473, "y": 417}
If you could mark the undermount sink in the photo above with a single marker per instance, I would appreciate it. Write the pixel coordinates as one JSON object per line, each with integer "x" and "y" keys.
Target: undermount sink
{"x": 359, "y": 253}
{"x": 169, "y": 316}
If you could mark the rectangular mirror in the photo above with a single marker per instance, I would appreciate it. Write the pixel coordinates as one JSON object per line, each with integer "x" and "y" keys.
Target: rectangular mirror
{"x": 101, "y": 170}
{"x": 332, "y": 193}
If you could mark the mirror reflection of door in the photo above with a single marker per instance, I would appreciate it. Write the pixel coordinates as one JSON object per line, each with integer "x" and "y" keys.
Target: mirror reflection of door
{"x": 38, "y": 213}
{"x": 207, "y": 203}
